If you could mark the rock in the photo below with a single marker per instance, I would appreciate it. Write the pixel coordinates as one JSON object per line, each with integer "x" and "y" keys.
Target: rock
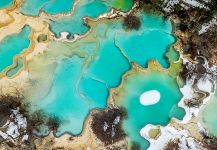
{"x": 154, "y": 133}
{"x": 42, "y": 38}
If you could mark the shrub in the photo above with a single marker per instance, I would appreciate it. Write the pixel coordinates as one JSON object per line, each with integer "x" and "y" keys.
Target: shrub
{"x": 132, "y": 22}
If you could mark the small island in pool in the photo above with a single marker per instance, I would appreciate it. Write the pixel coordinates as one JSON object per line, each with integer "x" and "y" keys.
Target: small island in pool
{"x": 117, "y": 74}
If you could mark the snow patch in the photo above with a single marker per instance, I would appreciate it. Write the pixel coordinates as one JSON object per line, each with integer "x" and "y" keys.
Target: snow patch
{"x": 169, "y": 133}
{"x": 150, "y": 97}
{"x": 205, "y": 84}
{"x": 206, "y": 26}
{"x": 16, "y": 122}
{"x": 12, "y": 130}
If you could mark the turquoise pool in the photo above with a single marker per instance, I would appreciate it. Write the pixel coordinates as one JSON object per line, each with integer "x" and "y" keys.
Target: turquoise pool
{"x": 13, "y": 45}
{"x": 158, "y": 114}
{"x": 208, "y": 115}
{"x": 53, "y": 7}
{"x": 16, "y": 69}
{"x": 74, "y": 24}
{"x": 76, "y": 77}
{"x": 123, "y": 5}
{"x": 33, "y": 7}
{"x": 5, "y": 3}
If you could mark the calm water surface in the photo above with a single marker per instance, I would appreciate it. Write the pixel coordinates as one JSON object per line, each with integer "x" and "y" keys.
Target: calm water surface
{"x": 208, "y": 115}
{"x": 5, "y": 3}
{"x": 157, "y": 114}
{"x": 13, "y": 45}
{"x": 76, "y": 77}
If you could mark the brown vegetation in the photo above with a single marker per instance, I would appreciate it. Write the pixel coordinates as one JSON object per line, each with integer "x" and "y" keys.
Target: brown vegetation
{"x": 7, "y": 103}
{"x": 154, "y": 6}
{"x": 185, "y": 72}
{"x": 135, "y": 146}
{"x": 106, "y": 126}
{"x": 132, "y": 22}
{"x": 193, "y": 103}
{"x": 38, "y": 119}
{"x": 42, "y": 38}
{"x": 210, "y": 143}
{"x": 53, "y": 123}
{"x": 172, "y": 145}
{"x": 191, "y": 21}
{"x": 206, "y": 43}
{"x": 34, "y": 121}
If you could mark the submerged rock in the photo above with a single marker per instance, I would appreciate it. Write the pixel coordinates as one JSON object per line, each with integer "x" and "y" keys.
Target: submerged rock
{"x": 42, "y": 38}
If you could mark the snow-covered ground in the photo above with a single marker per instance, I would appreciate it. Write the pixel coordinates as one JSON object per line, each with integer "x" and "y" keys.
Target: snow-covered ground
{"x": 194, "y": 3}
{"x": 14, "y": 125}
{"x": 205, "y": 83}
{"x": 186, "y": 4}
{"x": 206, "y": 26}
{"x": 167, "y": 134}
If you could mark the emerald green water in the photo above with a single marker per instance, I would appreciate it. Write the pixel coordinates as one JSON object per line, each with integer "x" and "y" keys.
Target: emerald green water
{"x": 157, "y": 114}
{"x": 16, "y": 69}
{"x": 5, "y": 3}
{"x": 33, "y": 7}
{"x": 13, "y": 45}
{"x": 123, "y": 5}
{"x": 173, "y": 55}
{"x": 208, "y": 115}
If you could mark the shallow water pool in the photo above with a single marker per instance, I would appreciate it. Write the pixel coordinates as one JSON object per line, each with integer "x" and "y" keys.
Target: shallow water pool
{"x": 76, "y": 77}
{"x": 13, "y": 45}
{"x": 158, "y": 114}
{"x": 208, "y": 116}
{"x": 33, "y": 7}
{"x": 5, "y": 3}
{"x": 13, "y": 71}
